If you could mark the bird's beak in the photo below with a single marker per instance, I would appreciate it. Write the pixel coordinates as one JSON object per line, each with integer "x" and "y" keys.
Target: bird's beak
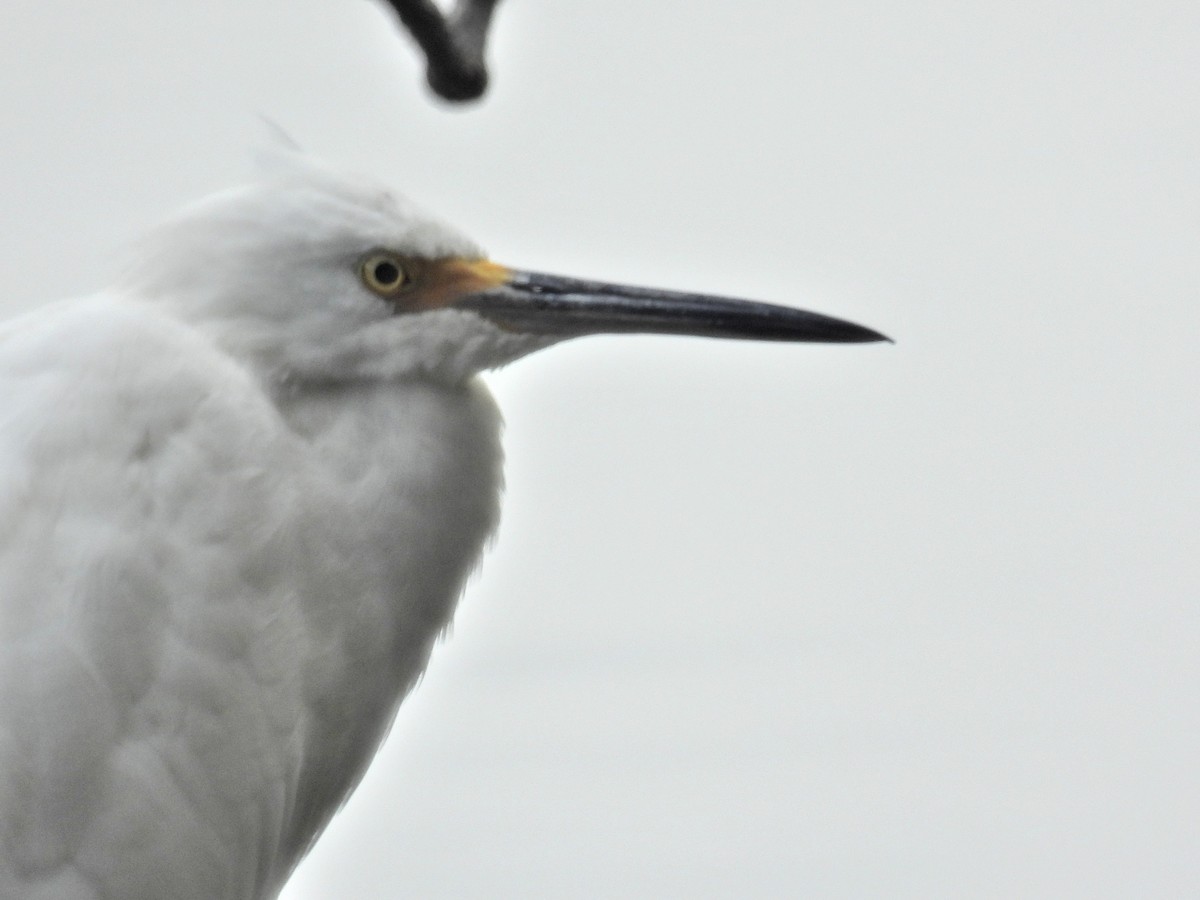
{"x": 552, "y": 305}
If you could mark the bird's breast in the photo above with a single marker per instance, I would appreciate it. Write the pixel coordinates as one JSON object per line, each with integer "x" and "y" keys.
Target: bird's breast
{"x": 406, "y": 480}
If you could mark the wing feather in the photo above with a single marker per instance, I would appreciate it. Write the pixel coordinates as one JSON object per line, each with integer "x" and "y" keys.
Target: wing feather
{"x": 145, "y": 519}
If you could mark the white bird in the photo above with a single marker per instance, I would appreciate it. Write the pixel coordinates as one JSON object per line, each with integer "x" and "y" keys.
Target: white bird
{"x": 240, "y": 493}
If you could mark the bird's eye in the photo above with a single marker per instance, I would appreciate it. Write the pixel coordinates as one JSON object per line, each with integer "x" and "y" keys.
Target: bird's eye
{"x": 384, "y": 274}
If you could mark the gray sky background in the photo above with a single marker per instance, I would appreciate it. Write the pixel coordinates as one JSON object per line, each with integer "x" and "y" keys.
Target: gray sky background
{"x": 761, "y": 621}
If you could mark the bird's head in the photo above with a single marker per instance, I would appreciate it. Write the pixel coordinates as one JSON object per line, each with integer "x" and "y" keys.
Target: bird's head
{"x": 311, "y": 275}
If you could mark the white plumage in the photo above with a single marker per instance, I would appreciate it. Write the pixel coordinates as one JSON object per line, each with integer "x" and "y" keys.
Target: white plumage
{"x": 240, "y": 494}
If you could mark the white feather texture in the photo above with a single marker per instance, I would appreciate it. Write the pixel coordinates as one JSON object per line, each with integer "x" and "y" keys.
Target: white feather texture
{"x": 238, "y": 503}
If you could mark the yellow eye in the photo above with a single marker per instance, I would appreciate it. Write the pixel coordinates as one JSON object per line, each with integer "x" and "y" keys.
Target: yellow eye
{"x": 384, "y": 273}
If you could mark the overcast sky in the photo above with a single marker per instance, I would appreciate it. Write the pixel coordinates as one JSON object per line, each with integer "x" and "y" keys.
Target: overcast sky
{"x": 918, "y": 620}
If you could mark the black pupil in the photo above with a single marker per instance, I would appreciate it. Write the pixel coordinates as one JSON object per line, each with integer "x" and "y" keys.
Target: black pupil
{"x": 387, "y": 273}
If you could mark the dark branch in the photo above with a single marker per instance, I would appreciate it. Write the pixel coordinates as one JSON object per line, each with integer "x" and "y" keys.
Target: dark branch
{"x": 453, "y": 44}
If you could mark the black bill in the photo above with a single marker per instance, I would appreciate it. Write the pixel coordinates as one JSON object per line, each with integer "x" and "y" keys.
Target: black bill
{"x": 534, "y": 303}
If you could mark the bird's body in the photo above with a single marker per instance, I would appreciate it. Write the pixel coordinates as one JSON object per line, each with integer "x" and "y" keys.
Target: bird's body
{"x": 181, "y": 679}
{"x": 240, "y": 494}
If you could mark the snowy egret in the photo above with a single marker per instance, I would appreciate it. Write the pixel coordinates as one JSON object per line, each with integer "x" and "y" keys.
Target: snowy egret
{"x": 240, "y": 493}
